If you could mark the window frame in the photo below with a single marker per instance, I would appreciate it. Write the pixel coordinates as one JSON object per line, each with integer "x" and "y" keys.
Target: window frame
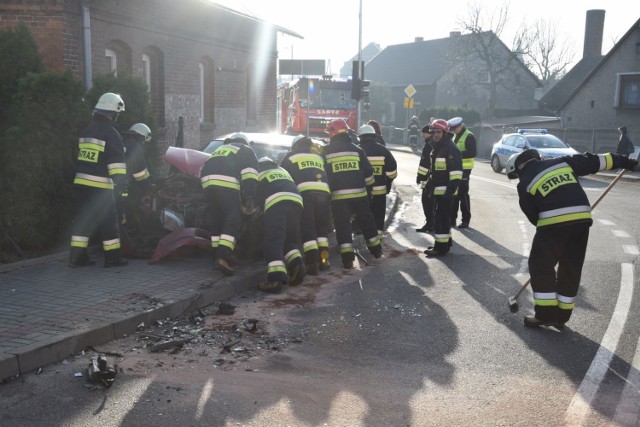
{"x": 624, "y": 81}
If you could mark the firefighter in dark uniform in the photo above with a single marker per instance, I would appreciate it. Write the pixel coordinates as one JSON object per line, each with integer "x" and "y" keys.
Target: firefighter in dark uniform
{"x": 422, "y": 179}
{"x": 350, "y": 177}
{"x": 305, "y": 164}
{"x": 100, "y": 185}
{"x": 445, "y": 176}
{"x": 139, "y": 178}
{"x": 466, "y": 143}
{"x": 553, "y": 200}
{"x": 385, "y": 170}
{"x": 281, "y": 211}
{"x": 229, "y": 179}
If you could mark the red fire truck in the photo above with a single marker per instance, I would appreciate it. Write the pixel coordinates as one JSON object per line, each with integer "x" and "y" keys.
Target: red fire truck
{"x": 330, "y": 98}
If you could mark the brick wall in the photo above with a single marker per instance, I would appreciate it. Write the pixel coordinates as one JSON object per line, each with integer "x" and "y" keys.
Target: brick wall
{"x": 183, "y": 32}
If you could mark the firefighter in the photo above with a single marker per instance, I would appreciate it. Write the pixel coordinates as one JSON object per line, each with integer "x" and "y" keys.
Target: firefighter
{"x": 385, "y": 170}
{"x": 282, "y": 207}
{"x": 445, "y": 176}
{"x": 305, "y": 164}
{"x": 139, "y": 178}
{"x": 413, "y": 131}
{"x": 466, "y": 143}
{"x": 350, "y": 177}
{"x": 229, "y": 179}
{"x": 99, "y": 185}
{"x": 422, "y": 179}
{"x": 553, "y": 200}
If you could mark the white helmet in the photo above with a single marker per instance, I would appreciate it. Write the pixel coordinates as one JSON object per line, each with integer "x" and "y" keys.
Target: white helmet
{"x": 110, "y": 102}
{"x": 142, "y": 130}
{"x": 518, "y": 161}
{"x": 366, "y": 130}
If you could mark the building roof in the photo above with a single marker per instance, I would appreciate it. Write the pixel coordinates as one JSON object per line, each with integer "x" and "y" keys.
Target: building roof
{"x": 369, "y": 52}
{"x": 597, "y": 66}
{"x": 558, "y": 94}
{"x": 418, "y": 63}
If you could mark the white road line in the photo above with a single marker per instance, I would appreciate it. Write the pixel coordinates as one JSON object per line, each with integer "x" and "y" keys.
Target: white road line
{"x": 580, "y": 404}
{"x": 631, "y": 249}
{"x": 493, "y": 181}
{"x": 627, "y": 411}
{"x": 620, "y": 233}
{"x": 606, "y": 222}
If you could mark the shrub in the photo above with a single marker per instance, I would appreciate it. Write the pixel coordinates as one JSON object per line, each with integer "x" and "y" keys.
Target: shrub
{"x": 39, "y": 151}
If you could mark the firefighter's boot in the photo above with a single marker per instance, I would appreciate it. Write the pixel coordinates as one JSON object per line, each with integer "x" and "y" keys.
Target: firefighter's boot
{"x": 311, "y": 263}
{"x": 271, "y": 287}
{"x": 347, "y": 260}
{"x": 80, "y": 258}
{"x": 114, "y": 259}
{"x": 224, "y": 266}
{"x": 324, "y": 260}
{"x": 296, "y": 273}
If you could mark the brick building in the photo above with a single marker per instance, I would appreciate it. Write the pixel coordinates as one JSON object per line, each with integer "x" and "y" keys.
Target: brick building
{"x": 207, "y": 66}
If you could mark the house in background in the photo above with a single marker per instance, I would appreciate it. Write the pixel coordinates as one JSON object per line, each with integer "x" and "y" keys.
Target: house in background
{"x": 592, "y": 105}
{"x": 442, "y": 76}
{"x": 368, "y": 53}
{"x": 207, "y": 66}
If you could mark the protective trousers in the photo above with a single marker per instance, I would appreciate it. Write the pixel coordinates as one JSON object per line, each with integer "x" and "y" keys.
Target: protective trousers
{"x": 226, "y": 219}
{"x": 95, "y": 211}
{"x": 342, "y": 210}
{"x": 442, "y": 226}
{"x": 379, "y": 209}
{"x": 428, "y": 203}
{"x": 554, "y": 293}
{"x": 282, "y": 240}
{"x": 315, "y": 224}
{"x": 462, "y": 201}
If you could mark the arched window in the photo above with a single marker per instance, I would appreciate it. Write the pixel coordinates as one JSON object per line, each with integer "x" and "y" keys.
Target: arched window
{"x": 146, "y": 70}
{"x": 112, "y": 61}
{"x": 118, "y": 55}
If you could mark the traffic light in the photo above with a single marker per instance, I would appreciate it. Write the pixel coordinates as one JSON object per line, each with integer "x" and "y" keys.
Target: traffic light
{"x": 355, "y": 80}
{"x": 364, "y": 90}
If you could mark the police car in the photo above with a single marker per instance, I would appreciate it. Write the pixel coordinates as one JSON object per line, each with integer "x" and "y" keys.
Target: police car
{"x": 549, "y": 146}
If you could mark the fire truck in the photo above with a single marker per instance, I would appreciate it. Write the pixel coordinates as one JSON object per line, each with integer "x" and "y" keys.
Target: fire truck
{"x": 309, "y": 104}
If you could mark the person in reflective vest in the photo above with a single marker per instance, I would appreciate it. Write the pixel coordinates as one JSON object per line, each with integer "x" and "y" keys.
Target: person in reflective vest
{"x": 422, "y": 179}
{"x": 350, "y": 178}
{"x": 466, "y": 143}
{"x": 553, "y": 200}
{"x": 385, "y": 170}
{"x": 100, "y": 185}
{"x": 229, "y": 179}
{"x": 305, "y": 164}
{"x": 445, "y": 176}
{"x": 281, "y": 205}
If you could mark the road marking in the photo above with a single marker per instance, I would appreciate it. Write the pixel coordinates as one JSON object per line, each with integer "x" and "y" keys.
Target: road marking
{"x": 494, "y": 181}
{"x": 606, "y": 222}
{"x": 631, "y": 249}
{"x": 204, "y": 398}
{"x": 627, "y": 410}
{"x": 620, "y": 233}
{"x": 580, "y": 404}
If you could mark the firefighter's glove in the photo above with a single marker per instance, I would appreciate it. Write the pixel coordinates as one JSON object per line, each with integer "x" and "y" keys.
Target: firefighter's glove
{"x": 249, "y": 206}
{"x": 631, "y": 165}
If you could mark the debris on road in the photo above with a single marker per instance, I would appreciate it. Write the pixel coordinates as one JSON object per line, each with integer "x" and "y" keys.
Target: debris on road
{"x": 101, "y": 372}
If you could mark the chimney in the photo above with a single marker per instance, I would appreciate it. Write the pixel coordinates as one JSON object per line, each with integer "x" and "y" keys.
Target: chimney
{"x": 453, "y": 34}
{"x": 418, "y": 39}
{"x": 593, "y": 32}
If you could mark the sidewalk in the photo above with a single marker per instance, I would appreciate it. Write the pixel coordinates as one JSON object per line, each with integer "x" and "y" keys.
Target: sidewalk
{"x": 49, "y": 311}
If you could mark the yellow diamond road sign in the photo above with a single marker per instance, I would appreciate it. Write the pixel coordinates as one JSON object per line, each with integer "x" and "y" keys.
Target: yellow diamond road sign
{"x": 410, "y": 90}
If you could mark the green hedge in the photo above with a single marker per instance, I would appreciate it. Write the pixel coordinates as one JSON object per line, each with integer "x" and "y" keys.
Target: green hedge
{"x": 39, "y": 151}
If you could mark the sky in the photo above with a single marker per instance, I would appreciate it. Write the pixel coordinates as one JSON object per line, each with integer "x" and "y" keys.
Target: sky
{"x": 331, "y": 27}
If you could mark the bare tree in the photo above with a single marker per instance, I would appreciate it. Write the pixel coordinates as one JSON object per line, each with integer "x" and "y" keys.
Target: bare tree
{"x": 482, "y": 59}
{"x": 548, "y": 56}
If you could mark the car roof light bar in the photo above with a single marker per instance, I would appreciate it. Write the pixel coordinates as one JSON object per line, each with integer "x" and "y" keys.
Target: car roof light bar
{"x": 540, "y": 131}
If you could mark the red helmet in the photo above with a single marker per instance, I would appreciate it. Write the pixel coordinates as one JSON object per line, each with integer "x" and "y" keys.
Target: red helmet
{"x": 337, "y": 126}
{"x": 439, "y": 124}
